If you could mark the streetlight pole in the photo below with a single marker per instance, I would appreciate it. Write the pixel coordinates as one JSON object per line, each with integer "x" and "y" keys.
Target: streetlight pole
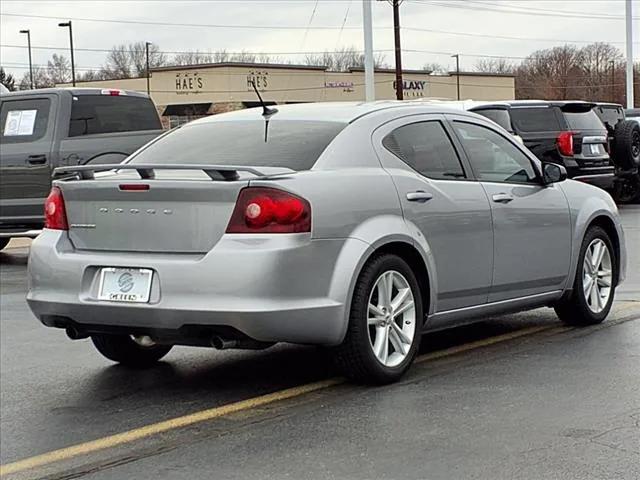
{"x": 369, "y": 85}
{"x": 73, "y": 65}
{"x": 457, "y": 57}
{"x": 28, "y": 32}
{"x": 398, "y": 49}
{"x": 613, "y": 80}
{"x": 628, "y": 17}
{"x": 146, "y": 46}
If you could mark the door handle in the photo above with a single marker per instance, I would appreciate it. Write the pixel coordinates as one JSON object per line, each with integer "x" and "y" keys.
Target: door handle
{"x": 37, "y": 159}
{"x": 419, "y": 196}
{"x": 502, "y": 198}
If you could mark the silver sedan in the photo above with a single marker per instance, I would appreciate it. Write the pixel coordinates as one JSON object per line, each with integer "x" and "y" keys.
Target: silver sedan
{"x": 354, "y": 226}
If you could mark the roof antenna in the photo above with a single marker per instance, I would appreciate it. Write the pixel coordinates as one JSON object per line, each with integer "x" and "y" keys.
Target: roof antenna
{"x": 267, "y": 112}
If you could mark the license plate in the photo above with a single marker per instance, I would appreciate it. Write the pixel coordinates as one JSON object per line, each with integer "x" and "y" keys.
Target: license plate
{"x": 131, "y": 285}
{"x": 596, "y": 149}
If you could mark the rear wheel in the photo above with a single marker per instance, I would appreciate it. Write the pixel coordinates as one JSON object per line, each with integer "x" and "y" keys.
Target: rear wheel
{"x": 385, "y": 323}
{"x": 594, "y": 285}
{"x": 626, "y": 146}
{"x": 129, "y": 350}
{"x": 4, "y": 242}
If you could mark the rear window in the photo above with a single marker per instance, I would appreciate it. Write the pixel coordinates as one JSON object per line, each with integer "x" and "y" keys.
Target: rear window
{"x": 292, "y": 144}
{"x": 583, "y": 121}
{"x": 92, "y": 114}
{"x": 24, "y": 121}
{"x": 499, "y": 116}
{"x": 535, "y": 119}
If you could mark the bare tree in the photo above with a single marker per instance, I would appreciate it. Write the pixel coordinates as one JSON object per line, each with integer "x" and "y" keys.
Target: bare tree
{"x": 41, "y": 79}
{"x": 58, "y": 69}
{"x": 341, "y": 60}
{"x": 7, "y": 80}
{"x": 127, "y": 61}
{"x": 495, "y": 65}
{"x": 434, "y": 67}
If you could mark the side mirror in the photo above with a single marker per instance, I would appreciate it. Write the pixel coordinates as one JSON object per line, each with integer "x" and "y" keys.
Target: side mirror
{"x": 553, "y": 173}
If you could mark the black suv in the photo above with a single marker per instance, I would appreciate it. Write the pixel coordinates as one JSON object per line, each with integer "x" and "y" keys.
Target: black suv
{"x": 565, "y": 132}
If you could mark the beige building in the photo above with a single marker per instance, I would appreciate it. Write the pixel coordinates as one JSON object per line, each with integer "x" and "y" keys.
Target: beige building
{"x": 184, "y": 92}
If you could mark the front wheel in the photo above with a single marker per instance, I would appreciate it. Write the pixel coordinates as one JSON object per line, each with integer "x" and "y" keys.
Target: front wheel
{"x": 594, "y": 284}
{"x": 129, "y": 350}
{"x": 385, "y": 323}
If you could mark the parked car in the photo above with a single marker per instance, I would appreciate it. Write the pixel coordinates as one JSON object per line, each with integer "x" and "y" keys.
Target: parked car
{"x": 624, "y": 145}
{"x": 564, "y": 132}
{"x": 632, "y": 113}
{"x": 49, "y": 128}
{"x": 355, "y": 226}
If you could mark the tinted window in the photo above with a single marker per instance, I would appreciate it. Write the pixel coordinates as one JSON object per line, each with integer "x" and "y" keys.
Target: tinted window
{"x": 493, "y": 157}
{"x": 292, "y": 144}
{"x": 24, "y": 121}
{"x": 426, "y": 147}
{"x": 500, "y": 116}
{"x": 537, "y": 119}
{"x": 583, "y": 121}
{"x": 107, "y": 114}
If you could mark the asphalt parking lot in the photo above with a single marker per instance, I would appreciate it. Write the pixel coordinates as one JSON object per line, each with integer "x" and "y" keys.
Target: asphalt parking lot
{"x": 517, "y": 397}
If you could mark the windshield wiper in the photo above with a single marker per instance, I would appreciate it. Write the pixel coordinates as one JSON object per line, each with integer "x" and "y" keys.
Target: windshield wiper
{"x": 267, "y": 112}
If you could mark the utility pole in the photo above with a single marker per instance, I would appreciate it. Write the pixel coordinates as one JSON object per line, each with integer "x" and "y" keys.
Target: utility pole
{"x": 369, "y": 85}
{"x": 398, "y": 49}
{"x": 457, "y": 57}
{"x": 30, "y": 62}
{"x": 146, "y": 46}
{"x": 73, "y": 64}
{"x": 628, "y": 17}
{"x": 613, "y": 80}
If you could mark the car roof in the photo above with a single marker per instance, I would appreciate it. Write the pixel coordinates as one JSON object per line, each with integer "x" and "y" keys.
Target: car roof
{"x": 76, "y": 91}
{"x": 343, "y": 112}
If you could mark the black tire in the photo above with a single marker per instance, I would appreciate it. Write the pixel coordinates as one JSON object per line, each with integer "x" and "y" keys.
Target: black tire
{"x": 626, "y": 145}
{"x": 4, "y": 242}
{"x": 355, "y": 357}
{"x": 123, "y": 349}
{"x": 627, "y": 189}
{"x": 574, "y": 309}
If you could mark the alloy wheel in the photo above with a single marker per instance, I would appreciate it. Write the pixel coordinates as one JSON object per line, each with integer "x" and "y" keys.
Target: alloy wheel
{"x": 597, "y": 275}
{"x": 391, "y": 318}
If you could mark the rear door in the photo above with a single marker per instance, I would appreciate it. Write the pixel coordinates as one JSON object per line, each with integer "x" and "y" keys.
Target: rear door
{"x": 590, "y": 137}
{"x": 531, "y": 222}
{"x": 26, "y": 138}
{"x": 441, "y": 199}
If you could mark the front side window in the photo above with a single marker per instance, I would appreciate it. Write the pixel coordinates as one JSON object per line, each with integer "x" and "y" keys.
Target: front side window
{"x": 24, "y": 121}
{"x": 493, "y": 158}
{"x": 425, "y": 147}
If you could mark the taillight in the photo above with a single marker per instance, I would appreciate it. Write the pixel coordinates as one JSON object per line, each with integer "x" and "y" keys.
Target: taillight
{"x": 565, "y": 143}
{"x": 268, "y": 210}
{"x": 55, "y": 216}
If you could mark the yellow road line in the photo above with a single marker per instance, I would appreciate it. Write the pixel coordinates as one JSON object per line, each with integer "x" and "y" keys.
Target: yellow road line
{"x": 217, "y": 412}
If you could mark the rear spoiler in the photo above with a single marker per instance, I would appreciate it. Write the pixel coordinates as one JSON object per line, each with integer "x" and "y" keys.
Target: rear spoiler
{"x": 147, "y": 170}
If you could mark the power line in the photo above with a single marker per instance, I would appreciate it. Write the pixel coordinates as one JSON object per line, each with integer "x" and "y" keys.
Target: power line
{"x": 292, "y": 27}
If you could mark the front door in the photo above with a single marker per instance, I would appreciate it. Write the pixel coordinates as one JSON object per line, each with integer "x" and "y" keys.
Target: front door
{"x": 531, "y": 222}
{"x": 26, "y": 137}
{"x": 448, "y": 208}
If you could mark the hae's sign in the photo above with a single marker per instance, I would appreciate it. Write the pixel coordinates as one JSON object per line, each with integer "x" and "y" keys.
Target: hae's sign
{"x": 188, "y": 82}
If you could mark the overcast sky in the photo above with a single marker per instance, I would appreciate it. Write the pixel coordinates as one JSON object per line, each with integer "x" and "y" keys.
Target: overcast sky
{"x": 486, "y": 26}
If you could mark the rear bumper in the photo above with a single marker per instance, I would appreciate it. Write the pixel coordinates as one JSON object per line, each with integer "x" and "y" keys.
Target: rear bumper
{"x": 271, "y": 288}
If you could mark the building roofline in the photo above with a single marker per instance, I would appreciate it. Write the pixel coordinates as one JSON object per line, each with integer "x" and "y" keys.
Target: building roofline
{"x": 482, "y": 74}
{"x": 238, "y": 64}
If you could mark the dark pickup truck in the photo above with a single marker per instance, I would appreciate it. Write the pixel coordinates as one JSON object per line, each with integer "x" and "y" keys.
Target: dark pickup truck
{"x": 49, "y": 128}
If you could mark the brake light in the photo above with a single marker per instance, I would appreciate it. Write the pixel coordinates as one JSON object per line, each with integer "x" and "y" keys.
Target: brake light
{"x": 268, "y": 210}
{"x": 112, "y": 93}
{"x": 134, "y": 187}
{"x": 55, "y": 215}
{"x": 565, "y": 143}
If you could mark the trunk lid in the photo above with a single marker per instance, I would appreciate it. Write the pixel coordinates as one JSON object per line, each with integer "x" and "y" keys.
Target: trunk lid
{"x": 180, "y": 212}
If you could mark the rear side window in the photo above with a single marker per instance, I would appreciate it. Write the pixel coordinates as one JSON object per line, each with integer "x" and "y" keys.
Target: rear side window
{"x": 292, "y": 144}
{"x": 499, "y": 116}
{"x": 583, "y": 121}
{"x": 535, "y": 119}
{"x": 426, "y": 147}
{"x": 24, "y": 121}
{"x": 92, "y": 114}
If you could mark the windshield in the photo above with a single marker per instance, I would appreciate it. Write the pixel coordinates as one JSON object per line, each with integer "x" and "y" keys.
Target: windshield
{"x": 292, "y": 144}
{"x": 583, "y": 121}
